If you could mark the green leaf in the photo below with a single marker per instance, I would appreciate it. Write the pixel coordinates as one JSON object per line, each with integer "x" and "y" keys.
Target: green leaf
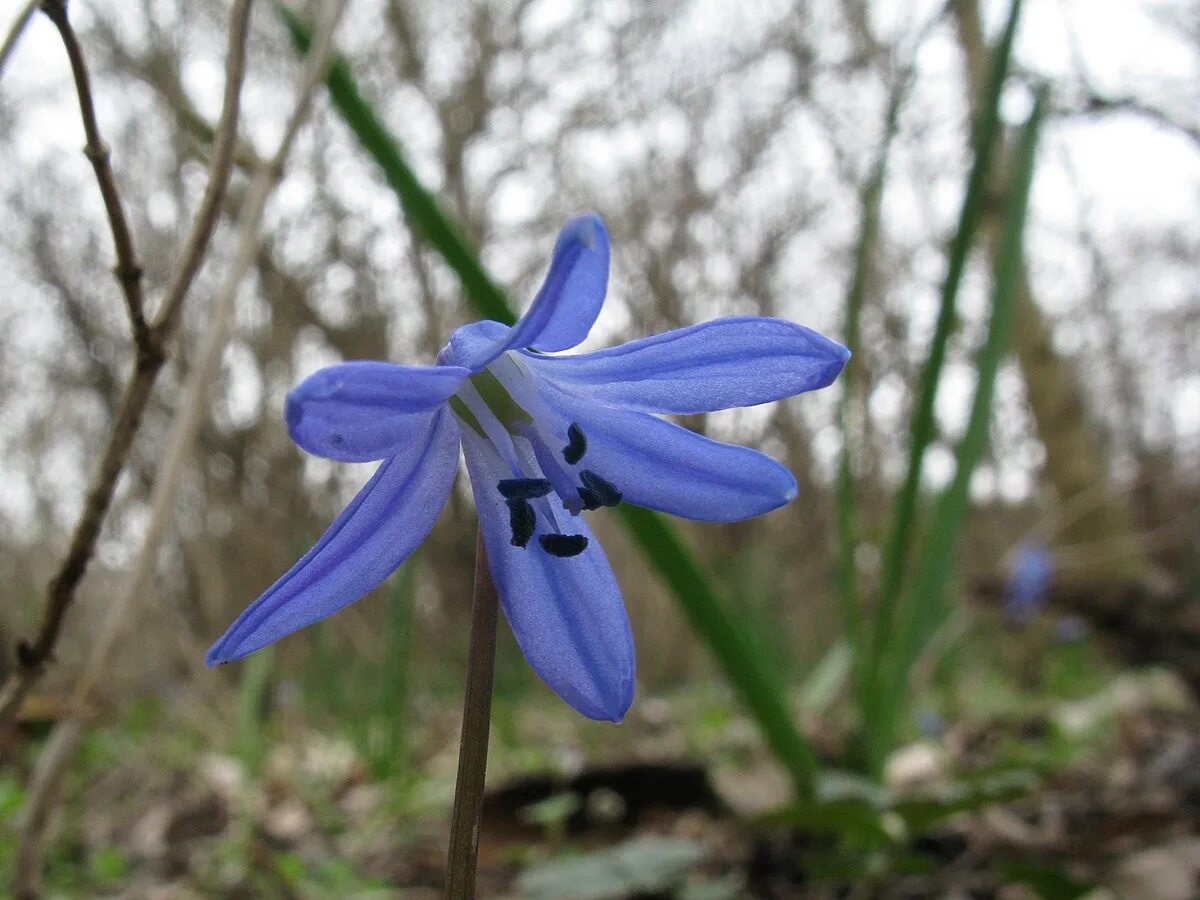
{"x": 390, "y": 754}
{"x": 870, "y": 207}
{"x": 109, "y": 865}
{"x": 726, "y": 637}
{"x": 1050, "y": 882}
{"x": 850, "y": 821}
{"x": 937, "y": 561}
{"x": 420, "y": 206}
{"x": 836, "y": 784}
{"x": 254, "y": 688}
{"x": 551, "y": 812}
{"x": 639, "y": 867}
{"x": 826, "y": 680}
{"x": 922, "y": 813}
{"x": 658, "y": 540}
{"x": 12, "y": 797}
{"x": 845, "y": 805}
{"x": 881, "y": 716}
{"x": 290, "y": 867}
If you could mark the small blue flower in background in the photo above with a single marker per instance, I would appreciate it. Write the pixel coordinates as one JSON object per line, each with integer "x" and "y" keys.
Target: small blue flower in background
{"x": 545, "y": 438}
{"x": 1070, "y": 630}
{"x": 930, "y": 723}
{"x": 1030, "y": 572}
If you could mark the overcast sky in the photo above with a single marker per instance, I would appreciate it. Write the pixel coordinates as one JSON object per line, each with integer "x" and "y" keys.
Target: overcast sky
{"x": 1140, "y": 176}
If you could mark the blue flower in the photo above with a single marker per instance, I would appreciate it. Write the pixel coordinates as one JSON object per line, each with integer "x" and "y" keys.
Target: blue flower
{"x": 930, "y": 723}
{"x": 545, "y": 438}
{"x": 1071, "y": 630}
{"x": 1029, "y": 575}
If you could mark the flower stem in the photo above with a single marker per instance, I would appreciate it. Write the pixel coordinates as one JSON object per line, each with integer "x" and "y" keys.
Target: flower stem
{"x": 473, "y": 748}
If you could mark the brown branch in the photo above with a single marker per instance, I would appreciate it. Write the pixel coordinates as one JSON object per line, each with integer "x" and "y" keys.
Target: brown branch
{"x": 191, "y": 121}
{"x": 473, "y": 746}
{"x": 55, "y": 761}
{"x": 61, "y": 590}
{"x": 191, "y": 411}
{"x": 14, "y": 33}
{"x": 220, "y": 169}
{"x": 155, "y": 72}
{"x": 129, "y": 267}
{"x": 1092, "y": 101}
{"x": 1099, "y": 104}
{"x": 151, "y": 354}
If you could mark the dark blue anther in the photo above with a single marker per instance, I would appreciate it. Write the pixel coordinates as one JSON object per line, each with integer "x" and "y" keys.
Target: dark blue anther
{"x": 574, "y": 450}
{"x": 522, "y": 520}
{"x": 563, "y": 544}
{"x": 523, "y": 488}
{"x": 590, "y": 500}
{"x": 604, "y": 491}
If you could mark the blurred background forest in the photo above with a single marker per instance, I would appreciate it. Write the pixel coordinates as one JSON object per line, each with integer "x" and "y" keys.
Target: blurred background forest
{"x": 731, "y": 150}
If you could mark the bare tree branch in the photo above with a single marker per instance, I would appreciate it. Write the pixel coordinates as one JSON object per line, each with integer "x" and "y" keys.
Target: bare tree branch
{"x": 194, "y": 404}
{"x": 179, "y": 446}
{"x": 221, "y": 167}
{"x": 32, "y": 657}
{"x": 14, "y": 33}
{"x": 129, "y": 267}
{"x": 1098, "y": 104}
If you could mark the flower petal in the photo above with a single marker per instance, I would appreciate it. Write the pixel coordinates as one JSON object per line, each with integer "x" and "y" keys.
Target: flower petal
{"x": 566, "y": 612}
{"x": 661, "y": 466}
{"x": 363, "y": 411}
{"x": 475, "y": 340}
{"x": 739, "y": 361}
{"x": 383, "y": 524}
{"x": 569, "y": 300}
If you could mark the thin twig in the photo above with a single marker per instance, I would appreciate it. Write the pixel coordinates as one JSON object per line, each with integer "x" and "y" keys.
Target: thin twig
{"x": 220, "y": 169}
{"x": 152, "y": 71}
{"x": 42, "y": 795}
{"x": 1095, "y": 103}
{"x": 14, "y": 33}
{"x": 189, "y": 119}
{"x": 188, "y": 419}
{"x": 129, "y": 267}
{"x": 473, "y": 748}
{"x": 33, "y": 656}
{"x": 185, "y": 425}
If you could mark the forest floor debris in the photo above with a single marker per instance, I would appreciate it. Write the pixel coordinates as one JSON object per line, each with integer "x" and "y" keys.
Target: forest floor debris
{"x": 1087, "y": 799}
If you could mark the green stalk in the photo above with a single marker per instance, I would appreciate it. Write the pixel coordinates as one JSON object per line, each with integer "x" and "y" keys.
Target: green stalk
{"x": 254, "y": 687}
{"x": 658, "y": 540}
{"x": 728, "y": 641}
{"x": 420, "y": 206}
{"x": 904, "y": 522}
{"x": 394, "y": 682}
{"x": 936, "y": 563}
{"x": 864, "y": 253}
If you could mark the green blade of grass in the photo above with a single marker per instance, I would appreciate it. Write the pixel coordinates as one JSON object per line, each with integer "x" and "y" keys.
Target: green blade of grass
{"x": 903, "y": 523}
{"x": 936, "y": 563}
{"x": 254, "y": 686}
{"x": 420, "y": 206}
{"x": 394, "y": 679}
{"x": 870, "y": 203}
{"x": 655, "y": 537}
{"x": 326, "y": 688}
{"x": 726, "y": 638}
